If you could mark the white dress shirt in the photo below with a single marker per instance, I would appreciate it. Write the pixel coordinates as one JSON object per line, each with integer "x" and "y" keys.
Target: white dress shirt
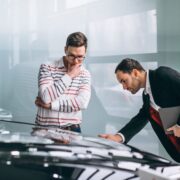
{"x": 147, "y": 90}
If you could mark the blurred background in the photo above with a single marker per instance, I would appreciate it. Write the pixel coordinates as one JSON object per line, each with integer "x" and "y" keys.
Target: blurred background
{"x": 34, "y": 31}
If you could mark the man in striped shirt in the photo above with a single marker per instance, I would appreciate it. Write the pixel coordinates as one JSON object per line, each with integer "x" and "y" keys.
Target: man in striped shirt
{"x": 64, "y": 87}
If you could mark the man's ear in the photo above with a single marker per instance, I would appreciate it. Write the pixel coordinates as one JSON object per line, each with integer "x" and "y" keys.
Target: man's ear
{"x": 135, "y": 72}
{"x": 65, "y": 49}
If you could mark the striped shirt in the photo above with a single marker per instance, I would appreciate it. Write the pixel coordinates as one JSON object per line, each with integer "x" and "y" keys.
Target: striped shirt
{"x": 68, "y": 96}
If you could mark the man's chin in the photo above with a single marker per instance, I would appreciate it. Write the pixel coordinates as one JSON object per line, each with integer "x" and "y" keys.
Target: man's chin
{"x": 133, "y": 92}
{"x": 76, "y": 64}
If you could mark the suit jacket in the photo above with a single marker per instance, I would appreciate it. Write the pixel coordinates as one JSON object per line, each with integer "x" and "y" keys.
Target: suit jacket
{"x": 165, "y": 87}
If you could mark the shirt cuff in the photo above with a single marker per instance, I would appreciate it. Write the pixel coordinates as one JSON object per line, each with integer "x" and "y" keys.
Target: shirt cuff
{"x": 123, "y": 138}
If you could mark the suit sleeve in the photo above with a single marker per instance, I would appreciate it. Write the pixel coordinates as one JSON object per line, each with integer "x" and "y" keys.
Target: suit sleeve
{"x": 171, "y": 78}
{"x": 174, "y": 80}
{"x": 137, "y": 123}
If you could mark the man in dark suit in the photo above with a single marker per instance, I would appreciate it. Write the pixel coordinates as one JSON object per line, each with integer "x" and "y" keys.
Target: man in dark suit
{"x": 161, "y": 89}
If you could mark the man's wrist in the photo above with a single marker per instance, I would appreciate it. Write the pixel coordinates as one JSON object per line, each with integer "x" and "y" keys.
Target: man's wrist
{"x": 70, "y": 75}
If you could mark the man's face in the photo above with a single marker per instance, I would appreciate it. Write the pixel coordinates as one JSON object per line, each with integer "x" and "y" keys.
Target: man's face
{"x": 75, "y": 55}
{"x": 130, "y": 82}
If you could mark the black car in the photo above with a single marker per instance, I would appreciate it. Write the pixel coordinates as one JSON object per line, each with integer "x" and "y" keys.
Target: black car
{"x": 50, "y": 153}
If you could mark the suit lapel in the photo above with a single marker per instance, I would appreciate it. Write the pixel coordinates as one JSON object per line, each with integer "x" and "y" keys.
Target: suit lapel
{"x": 146, "y": 100}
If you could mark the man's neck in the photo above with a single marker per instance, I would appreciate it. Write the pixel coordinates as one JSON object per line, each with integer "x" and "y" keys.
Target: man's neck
{"x": 144, "y": 77}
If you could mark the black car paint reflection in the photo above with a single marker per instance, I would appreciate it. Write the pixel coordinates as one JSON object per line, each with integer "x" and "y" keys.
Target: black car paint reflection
{"x": 49, "y": 153}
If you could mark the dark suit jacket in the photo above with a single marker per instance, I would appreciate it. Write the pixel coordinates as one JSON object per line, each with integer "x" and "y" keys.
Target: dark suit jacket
{"x": 165, "y": 87}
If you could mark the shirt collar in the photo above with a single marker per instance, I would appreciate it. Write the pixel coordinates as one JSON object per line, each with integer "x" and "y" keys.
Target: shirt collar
{"x": 147, "y": 87}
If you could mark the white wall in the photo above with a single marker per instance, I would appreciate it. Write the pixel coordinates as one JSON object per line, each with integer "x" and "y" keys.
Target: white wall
{"x": 33, "y": 31}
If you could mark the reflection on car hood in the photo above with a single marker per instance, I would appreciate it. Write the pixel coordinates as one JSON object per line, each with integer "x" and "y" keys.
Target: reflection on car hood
{"x": 49, "y": 153}
{"x": 5, "y": 115}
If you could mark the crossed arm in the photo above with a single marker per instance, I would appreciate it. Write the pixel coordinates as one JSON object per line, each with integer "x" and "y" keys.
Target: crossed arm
{"x": 52, "y": 92}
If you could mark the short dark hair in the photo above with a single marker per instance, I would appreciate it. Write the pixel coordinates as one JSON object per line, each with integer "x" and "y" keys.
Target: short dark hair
{"x": 76, "y": 39}
{"x": 127, "y": 65}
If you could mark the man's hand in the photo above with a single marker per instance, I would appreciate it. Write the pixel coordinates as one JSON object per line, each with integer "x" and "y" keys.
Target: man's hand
{"x": 175, "y": 129}
{"x": 115, "y": 137}
{"x": 40, "y": 103}
{"x": 74, "y": 70}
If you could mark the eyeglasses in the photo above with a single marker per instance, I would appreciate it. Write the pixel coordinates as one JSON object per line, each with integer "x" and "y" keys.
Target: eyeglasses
{"x": 72, "y": 57}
